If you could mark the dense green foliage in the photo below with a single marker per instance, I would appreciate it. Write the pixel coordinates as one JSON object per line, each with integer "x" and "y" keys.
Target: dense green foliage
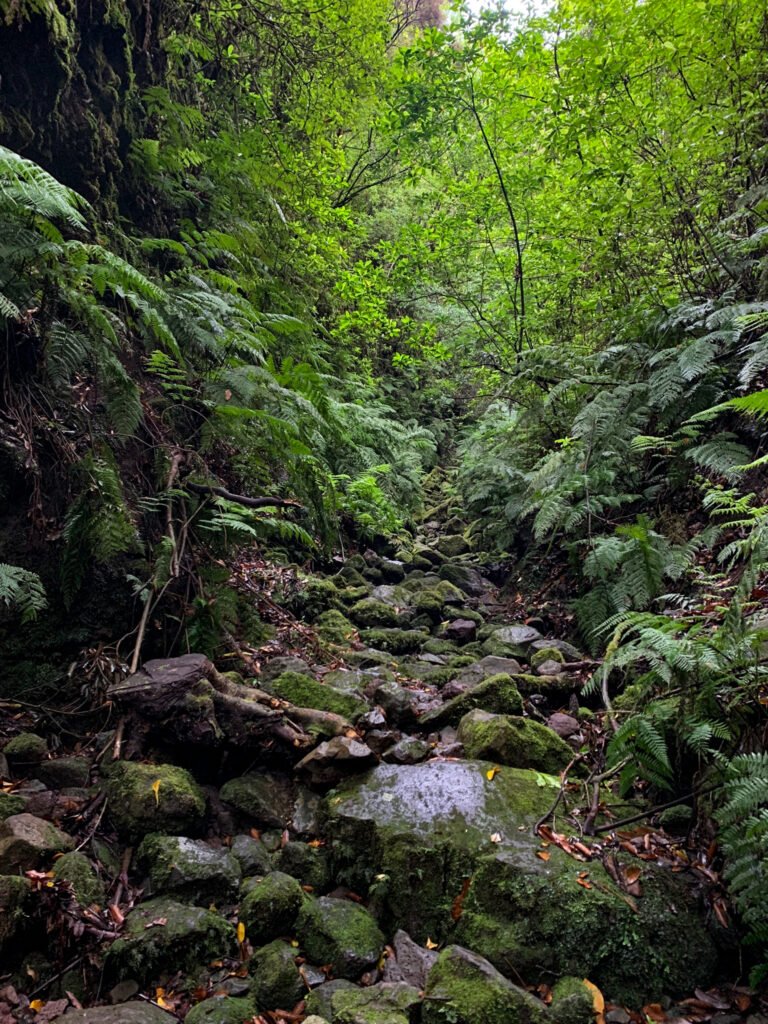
{"x": 329, "y": 248}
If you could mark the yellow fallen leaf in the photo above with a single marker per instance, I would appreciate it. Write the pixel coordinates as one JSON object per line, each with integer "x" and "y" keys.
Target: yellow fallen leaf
{"x": 430, "y": 944}
{"x": 543, "y": 854}
{"x": 36, "y": 1005}
{"x": 492, "y": 773}
{"x": 294, "y": 943}
{"x": 598, "y": 1002}
{"x": 240, "y": 932}
{"x": 156, "y": 790}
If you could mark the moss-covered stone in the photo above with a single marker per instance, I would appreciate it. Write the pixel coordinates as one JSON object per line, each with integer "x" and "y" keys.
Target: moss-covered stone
{"x": 189, "y": 869}
{"x": 452, "y": 545}
{"x": 277, "y": 983}
{"x": 265, "y": 798}
{"x": 10, "y": 804}
{"x": 465, "y": 989}
{"x": 64, "y": 772}
{"x": 27, "y": 842}
{"x": 414, "y": 832}
{"x": 542, "y": 654}
{"x": 352, "y": 573}
{"x": 372, "y": 613}
{"x": 396, "y": 641}
{"x": 146, "y": 798}
{"x": 162, "y": 937}
{"x": 572, "y": 1002}
{"x": 437, "y": 646}
{"x": 334, "y": 627}
{"x": 677, "y": 820}
{"x": 501, "y": 649}
{"x": 271, "y": 907}
{"x": 534, "y": 914}
{"x": 252, "y": 855}
{"x": 350, "y": 595}
{"x": 339, "y": 933}
{"x": 13, "y": 893}
{"x": 76, "y": 869}
{"x": 306, "y": 692}
{"x": 511, "y": 740}
{"x": 25, "y": 749}
{"x": 222, "y": 1010}
{"x": 383, "y": 1003}
{"x": 319, "y": 1000}
{"x": 317, "y": 596}
{"x": 497, "y": 693}
{"x": 308, "y": 864}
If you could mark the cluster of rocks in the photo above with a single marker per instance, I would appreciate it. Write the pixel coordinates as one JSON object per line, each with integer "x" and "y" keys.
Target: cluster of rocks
{"x": 379, "y": 852}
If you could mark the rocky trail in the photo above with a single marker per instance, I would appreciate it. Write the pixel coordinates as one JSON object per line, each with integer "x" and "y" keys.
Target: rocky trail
{"x": 397, "y": 813}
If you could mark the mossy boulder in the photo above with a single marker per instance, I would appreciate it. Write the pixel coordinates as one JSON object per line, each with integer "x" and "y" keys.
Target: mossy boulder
{"x": 252, "y": 855}
{"x": 76, "y": 869}
{"x": 25, "y": 749}
{"x": 452, "y": 545}
{"x": 572, "y": 1001}
{"x": 422, "y": 827}
{"x": 395, "y": 641}
{"x": 534, "y": 914}
{"x": 466, "y": 578}
{"x": 271, "y": 907}
{"x": 10, "y": 804}
{"x": 13, "y": 894}
{"x": 265, "y": 798}
{"x": 147, "y": 798}
{"x": 277, "y": 983}
{"x": 371, "y": 613}
{"x": 27, "y": 842}
{"x": 306, "y": 692}
{"x": 163, "y": 936}
{"x": 463, "y": 988}
{"x": 64, "y": 772}
{"x": 511, "y": 740}
{"x": 492, "y": 645}
{"x": 308, "y": 864}
{"x": 383, "y": 1003}
{"x": 497, "y": 693}
{"x": 319, "y": 1000}
{"x": 189, "y": 869}
{"x": 222, "y": 1010}
{"x": 334, "y": 627}
{"x": 316, "y": 597}
{"x": 544, "y": 654}
{"x": 340, "y": 933}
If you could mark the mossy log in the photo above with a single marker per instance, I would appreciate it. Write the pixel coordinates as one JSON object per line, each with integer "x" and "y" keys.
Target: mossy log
{"x": 189, "y": 701}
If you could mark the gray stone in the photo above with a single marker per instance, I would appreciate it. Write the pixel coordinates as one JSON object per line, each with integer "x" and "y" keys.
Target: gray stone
{"x": 64, "y": 772}
{"x": 252, "y": 855}
{"x": 462, "y": 631}
{"x": 452, "y": 545}
{"x": 411, "y": 963}
{"x": 569, "y": 652}
{"x": 286, "y": 663}
{"x": 320, "y": 998}
{"x": 395, "y": 702}
{"x": 408, "y": 750}
{"x": 564, "y": 725}
{"x": 26, "y": 842}
{"x": 335, "y": 759}
{"x": 517, "y": 634}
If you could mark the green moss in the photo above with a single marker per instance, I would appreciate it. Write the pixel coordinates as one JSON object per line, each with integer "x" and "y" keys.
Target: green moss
{"x": 308, "y": 864}
{"x": 375, "y": 1004}
{"x": 396, "y": 641}
{"x": 537, "y": 917}
{"x": 546, "y": 654}
{"x": 189, "y": 869}
{"x": 162, "y": 937}
{"x": 493, "y": 645}
{"x": 317, "y": 596}
{"x": 271, "y": 907}
{"x": 462, "y": 989}
{"x": 13, "y": 894}
{"x": 339, "y": 933}
{"x": 514, "y": 741}
{"x": 306, "y": 692}
{"x": 572, "y": 1002}
{"x": 372, "y": 613}
{"x": 26, "y": 748}
{"x": 222, "y": 1010}
{"x": 277, "y": 983}
{"x": 10, "y": 804}
{"x": 349, "y": 595}
{"x": 153, "y": 798}
{"x": 76, "y": 869}
{"x": 497, "y": 693}
{"x": 334, "y": 627}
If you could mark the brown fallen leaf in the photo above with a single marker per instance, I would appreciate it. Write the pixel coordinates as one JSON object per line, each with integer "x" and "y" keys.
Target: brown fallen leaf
{"x": 656, "y": 1012}
{"x": 598, "y": 1002}
{"x": 157, "y": 923}
{"x": 543, "y": 854}
{"x": 713, "y": 999}
{"x": 457, "y": 908}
